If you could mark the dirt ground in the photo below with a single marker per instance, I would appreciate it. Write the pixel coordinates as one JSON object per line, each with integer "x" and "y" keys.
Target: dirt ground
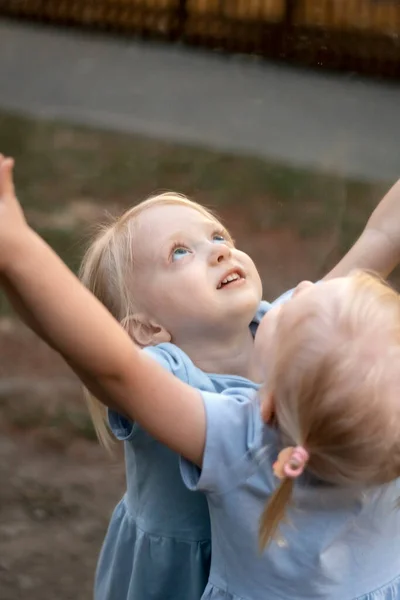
{"x": 57, "y": 487}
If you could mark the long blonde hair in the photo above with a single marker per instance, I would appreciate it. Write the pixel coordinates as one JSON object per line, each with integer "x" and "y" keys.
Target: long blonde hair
{"x": 107, "y": 269}
{"x": 335, "y": 379}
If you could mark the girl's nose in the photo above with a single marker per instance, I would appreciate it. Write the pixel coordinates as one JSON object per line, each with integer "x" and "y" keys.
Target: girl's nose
{"x": 303, "y": 285}
{"x": 219, "y": 253}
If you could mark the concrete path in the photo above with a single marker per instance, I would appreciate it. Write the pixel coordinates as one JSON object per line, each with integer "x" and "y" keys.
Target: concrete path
{"x": 336, "y": 123}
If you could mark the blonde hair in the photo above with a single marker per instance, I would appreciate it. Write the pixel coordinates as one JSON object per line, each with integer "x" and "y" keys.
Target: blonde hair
{"x": 335, "y": 379}
{"x": 107, "y": 269}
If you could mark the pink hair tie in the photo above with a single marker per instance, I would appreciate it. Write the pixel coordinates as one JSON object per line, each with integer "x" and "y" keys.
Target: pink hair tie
{"x": 291, "y": 462}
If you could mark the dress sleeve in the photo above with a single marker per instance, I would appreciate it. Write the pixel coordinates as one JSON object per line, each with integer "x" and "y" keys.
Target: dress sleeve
{"x": 233, "y": 439}
{"x": 171, "y": 359}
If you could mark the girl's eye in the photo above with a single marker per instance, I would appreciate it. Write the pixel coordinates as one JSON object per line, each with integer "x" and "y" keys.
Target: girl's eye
{"x": 179, "y": 252}
{"x": 218, "y": 238}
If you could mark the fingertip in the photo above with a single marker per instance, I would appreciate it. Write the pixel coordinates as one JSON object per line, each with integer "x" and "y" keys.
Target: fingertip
{"x": 8, "y": 164}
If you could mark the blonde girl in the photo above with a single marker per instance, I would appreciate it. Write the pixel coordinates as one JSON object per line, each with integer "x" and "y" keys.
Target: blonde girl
{"x": 168, "y": 271}
{"x": 190, "y": 273}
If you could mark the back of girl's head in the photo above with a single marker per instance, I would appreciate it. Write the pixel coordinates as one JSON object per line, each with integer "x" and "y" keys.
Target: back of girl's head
{"x": 107, "y": 270}
{"x": 335, "y": 380}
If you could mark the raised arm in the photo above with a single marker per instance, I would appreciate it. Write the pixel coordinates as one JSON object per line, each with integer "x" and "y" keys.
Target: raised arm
{"x": 64, "y": 313}
{"x": 378, "y": 247}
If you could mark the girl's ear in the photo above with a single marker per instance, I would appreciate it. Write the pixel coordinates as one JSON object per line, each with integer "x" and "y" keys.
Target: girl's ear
{"x": 267, "y": 406}
{"x": 145, "y": 331}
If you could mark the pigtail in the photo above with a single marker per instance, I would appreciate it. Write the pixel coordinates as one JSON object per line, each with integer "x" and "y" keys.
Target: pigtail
{"x": 290, "y": 464}
{"x": 274, "y": 513}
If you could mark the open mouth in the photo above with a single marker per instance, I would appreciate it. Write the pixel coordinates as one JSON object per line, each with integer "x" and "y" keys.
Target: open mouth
{"x": 231, "y": 279}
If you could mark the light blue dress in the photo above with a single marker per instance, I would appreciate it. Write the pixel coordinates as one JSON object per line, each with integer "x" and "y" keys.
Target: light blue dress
{"x": 338, "y": 545}
{"x": 158, "y": 542}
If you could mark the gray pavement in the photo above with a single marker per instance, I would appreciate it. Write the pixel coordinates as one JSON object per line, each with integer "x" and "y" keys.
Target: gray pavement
{"x": 336, "y": 123}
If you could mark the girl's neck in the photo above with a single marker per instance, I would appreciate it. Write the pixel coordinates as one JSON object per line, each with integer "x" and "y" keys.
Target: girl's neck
{"x": 231, "y": 354}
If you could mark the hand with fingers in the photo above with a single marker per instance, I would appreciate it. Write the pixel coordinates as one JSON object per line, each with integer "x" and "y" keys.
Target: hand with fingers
{"x": 13, "y": 226}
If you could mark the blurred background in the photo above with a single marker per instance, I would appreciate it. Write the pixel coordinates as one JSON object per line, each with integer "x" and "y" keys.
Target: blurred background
{"x": 283, "y": 115}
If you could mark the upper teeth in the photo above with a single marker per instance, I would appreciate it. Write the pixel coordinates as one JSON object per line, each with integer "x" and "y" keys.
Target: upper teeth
{"x": 231, "y": 277}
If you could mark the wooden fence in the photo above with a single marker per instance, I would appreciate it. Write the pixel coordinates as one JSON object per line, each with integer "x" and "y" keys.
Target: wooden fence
{"x": 355, "y": 35}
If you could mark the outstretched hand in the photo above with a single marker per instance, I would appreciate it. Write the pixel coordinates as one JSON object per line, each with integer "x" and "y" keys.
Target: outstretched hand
{"x": 12, "y": 220}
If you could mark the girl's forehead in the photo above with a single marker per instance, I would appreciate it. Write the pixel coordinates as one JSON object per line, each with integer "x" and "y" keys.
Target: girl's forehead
{"x": 164, "y": 220}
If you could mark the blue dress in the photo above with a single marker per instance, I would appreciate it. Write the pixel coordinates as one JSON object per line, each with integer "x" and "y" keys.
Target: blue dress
{"x": 158, "y": 542}
{"x": 338, "y": 545}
